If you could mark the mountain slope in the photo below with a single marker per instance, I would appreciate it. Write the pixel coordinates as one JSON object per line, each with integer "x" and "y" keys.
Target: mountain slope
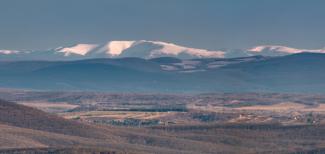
{"x": 26, "y": 117}
{"x": 301, "y": 72}
{"x": 294, "y": 73}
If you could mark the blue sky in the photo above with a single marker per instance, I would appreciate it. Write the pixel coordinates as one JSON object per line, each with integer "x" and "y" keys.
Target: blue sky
{"x": 210, "y": 24}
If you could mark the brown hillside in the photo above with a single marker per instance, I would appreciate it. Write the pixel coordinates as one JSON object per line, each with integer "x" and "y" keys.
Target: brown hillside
{"x": 27, "y": 117}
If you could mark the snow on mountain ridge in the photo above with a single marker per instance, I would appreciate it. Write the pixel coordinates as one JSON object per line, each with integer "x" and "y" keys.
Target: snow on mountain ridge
{"x": 144, "y": 49}
{"x": 8, "y": 52}
{"x": 155, "y": 49}
{"x": 174, "y": 50}
{"x": 80, "y": 49}
{"x": 116, "y": 48}
{"x": 283, "y": 49}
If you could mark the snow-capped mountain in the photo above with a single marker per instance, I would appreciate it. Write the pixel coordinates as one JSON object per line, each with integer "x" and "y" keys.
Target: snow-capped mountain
{"x": 144, "y": 49}
{"x": 8, "y": 52}
{"x": 275, "y": 50}
{"x": 113, "y": 49}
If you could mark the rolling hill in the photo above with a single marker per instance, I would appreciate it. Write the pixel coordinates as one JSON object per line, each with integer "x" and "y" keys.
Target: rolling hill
{"x": 24, "y": 129}
{"x": 27, "y": 130}
{"x": 301, "y": 72}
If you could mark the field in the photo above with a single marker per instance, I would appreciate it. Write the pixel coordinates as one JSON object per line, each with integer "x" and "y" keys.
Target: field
{"x": 167, "y": 109}
{"x": 87, "y": 122}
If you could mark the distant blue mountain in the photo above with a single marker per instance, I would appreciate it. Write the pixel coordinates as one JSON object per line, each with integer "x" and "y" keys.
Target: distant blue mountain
{"x": 303, "y": 72}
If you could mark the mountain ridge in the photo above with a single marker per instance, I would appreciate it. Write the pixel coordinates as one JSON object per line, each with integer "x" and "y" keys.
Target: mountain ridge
{"x": 144, "y": 49}
{"x": 112, "y": 49}
{"x": 301, "y": 72}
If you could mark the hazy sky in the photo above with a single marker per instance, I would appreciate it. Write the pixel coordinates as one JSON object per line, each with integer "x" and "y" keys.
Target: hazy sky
{"x": 210, "y": 24}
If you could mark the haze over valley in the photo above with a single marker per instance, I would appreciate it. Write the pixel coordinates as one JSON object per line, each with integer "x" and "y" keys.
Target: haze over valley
{"x": 162, "y": 77}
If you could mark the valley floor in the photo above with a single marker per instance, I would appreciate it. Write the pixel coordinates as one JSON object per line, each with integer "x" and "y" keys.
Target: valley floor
{"x": 60, "y": 122}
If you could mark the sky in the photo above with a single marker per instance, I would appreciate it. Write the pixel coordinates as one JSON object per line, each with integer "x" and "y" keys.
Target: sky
{"x": 208, "y": 24}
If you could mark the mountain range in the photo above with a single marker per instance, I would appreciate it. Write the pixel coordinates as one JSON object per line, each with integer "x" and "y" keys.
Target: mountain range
{"x": 302, "y": 72}
{"x": 144, "y": 49}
